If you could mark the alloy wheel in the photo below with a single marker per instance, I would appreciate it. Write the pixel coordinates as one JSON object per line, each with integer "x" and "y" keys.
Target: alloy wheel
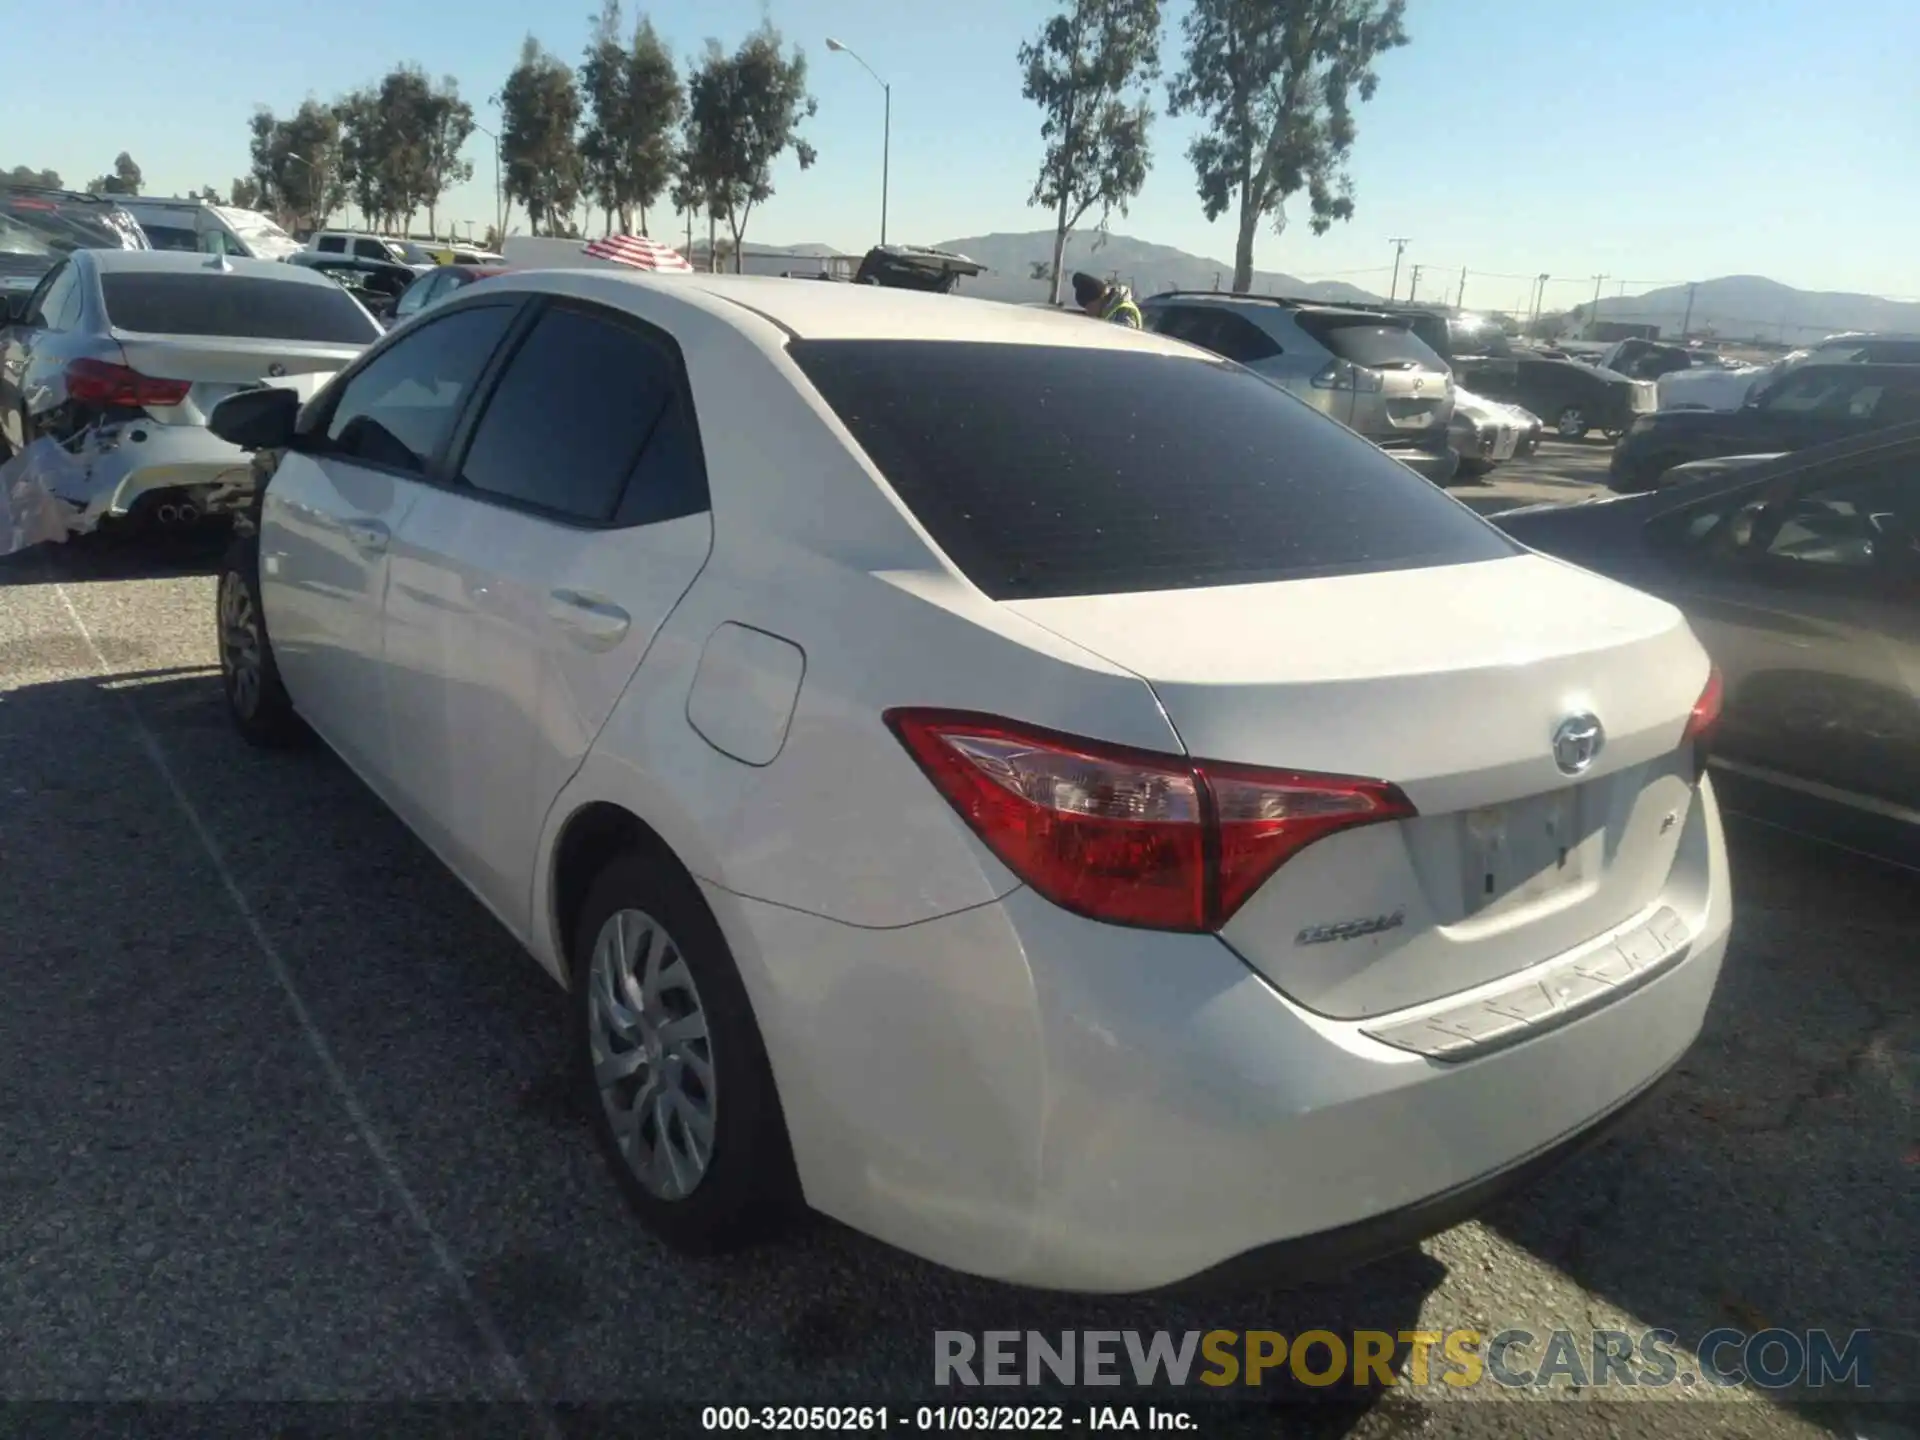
{"x": 239, "y": 644}
{"x": 652, "y": 1054}
{"x": 1571, "y": 423}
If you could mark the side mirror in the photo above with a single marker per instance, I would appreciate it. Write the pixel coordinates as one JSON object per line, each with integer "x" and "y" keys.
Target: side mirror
{"x": 260, "y": 419}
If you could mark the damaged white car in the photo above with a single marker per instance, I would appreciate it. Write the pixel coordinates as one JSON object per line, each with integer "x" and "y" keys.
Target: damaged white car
{"x": 118, "y": 357}
{"x": 1484, "y": 432}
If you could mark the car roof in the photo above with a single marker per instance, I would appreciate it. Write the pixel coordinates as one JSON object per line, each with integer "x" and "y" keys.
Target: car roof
{"x": 1853, "y": 369}
{"x": 810, "y": 311}
{"x": 1894, "y": 438}
{"x": 1279, "y": 304}
{"x": 1856, "y": 337}
{"x": 155, "y": 262}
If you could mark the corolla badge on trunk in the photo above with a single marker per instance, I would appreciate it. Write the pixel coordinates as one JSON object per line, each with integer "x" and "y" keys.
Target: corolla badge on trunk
{"x": 276, "y": 369}
{"x": 1576, "y": 743}
{"x": 1351, "y": 929}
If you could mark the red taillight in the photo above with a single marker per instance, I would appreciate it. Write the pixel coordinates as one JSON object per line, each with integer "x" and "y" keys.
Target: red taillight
{"x": 1702, "y": 721}
{"x": 1131, "y": 836}
{"x": 1706, "y": 710}
{"x": 108, "y": 386}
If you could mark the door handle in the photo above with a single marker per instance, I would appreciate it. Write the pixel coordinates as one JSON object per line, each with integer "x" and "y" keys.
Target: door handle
{"x": 368, "y": 535}
{"x": 589, "y": 620}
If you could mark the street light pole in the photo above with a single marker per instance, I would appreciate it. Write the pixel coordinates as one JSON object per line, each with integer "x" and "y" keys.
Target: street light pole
{"x": 499, "y": 220}
{"x": 886, "y": 132}
{"x": 319, "y": 179}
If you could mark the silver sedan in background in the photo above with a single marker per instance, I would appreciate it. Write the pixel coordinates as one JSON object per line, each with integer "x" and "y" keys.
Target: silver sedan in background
{"x": 119, "y": 356}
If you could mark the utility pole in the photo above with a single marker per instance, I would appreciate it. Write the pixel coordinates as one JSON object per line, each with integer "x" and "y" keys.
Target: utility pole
{"x": 1593, "y": 316}
{"x": 1539, "y": 297}
{"x": 1686, "y": 325}
{"x": 1399, "y": 244}
{"x": 1413, "y": 284}
{"x": 1461, "y": 299}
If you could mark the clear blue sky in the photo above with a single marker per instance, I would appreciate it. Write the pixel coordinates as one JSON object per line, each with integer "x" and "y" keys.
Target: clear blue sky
{"x": 1654, "y": 140}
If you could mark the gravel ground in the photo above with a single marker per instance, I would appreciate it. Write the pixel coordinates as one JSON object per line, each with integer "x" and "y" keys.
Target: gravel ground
{"x": 279, "y": 1120}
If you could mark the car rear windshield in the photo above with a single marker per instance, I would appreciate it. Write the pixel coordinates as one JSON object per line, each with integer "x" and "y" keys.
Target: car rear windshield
{"x": 66, "y": 224}
{"x": 1047, "y": 471}
{"x": 247, "y": 307}
{"x": 1372, "y": 343}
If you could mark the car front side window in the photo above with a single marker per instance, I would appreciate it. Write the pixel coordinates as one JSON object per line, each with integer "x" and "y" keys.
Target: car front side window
{"x": 399, "y": 410}
{"x": 590, "y": 407}
{"x": 1813, "y": 394}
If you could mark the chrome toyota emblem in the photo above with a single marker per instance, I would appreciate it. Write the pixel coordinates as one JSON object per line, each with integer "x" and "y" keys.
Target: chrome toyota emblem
{"x": 276, "y": 369}
{"x": 1419, "y": 384}
{"x": 1576, "y": 743}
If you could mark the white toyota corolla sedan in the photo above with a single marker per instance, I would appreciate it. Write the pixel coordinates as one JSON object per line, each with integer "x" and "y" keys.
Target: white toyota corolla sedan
{"x": 1029, "y": 789}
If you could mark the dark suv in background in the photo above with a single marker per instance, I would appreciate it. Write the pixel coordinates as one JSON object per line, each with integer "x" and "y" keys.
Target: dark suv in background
{"x": 1569, "y": 397}
{"x": 1809, "y": 404}
{"x": 1365, "y": 368}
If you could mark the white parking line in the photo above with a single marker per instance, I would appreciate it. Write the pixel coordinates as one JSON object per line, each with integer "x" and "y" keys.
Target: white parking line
{"x": 502, "y": 1357}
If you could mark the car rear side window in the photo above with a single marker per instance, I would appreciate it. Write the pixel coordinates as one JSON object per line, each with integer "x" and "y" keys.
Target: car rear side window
{"x": 582, "y": 399}
{"x": 1365, "y": 341}
{"x": 170, "y": 237}
{"x": 1047, "y": 471}
{"x": 398, "y": 411}
{"x": 1216, "y": 328}
{"x": 246, "y": 307}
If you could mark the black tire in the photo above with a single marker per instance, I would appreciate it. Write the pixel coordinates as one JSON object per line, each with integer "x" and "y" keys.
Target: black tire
{"x": 1571, "y": 423}
{"x": 749, "y": 1189}
{"x": 1473, "y": 469}
{"x": 262, "y": 712}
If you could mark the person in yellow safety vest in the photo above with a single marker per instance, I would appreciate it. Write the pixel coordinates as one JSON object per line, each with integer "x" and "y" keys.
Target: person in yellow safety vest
{"x": 1104, "y": 301}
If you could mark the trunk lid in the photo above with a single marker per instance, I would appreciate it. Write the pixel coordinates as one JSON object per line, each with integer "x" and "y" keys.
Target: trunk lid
{"x": 1451, "y": 683}
{"x": 1417, "y": 398}
{"x": 1416, "y": 388}
{"x": 219, "y": 367}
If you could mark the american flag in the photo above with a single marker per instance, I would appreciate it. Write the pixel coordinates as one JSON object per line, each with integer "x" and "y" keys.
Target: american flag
{"x": 637, "y": 251}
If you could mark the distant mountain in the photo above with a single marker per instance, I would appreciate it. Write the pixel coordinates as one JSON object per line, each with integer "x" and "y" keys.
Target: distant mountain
{"x": 1140, "y": 264}
{"x": 1734, "y": 307}
{"x": 1747, "y": 307}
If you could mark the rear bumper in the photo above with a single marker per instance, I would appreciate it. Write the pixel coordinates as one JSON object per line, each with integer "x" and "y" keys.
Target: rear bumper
{"x": 1018, "y": 1092}
{"x": 1332, "y": 1253}
{"x": 127, "y": 463}
{"x": 1430, "y": 455}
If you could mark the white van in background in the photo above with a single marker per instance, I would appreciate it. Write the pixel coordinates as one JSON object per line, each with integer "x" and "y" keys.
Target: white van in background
{"x": 208, "y": 228}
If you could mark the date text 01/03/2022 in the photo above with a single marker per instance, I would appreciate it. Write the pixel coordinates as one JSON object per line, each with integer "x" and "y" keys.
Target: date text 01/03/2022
{"x": 989, "y": 1419}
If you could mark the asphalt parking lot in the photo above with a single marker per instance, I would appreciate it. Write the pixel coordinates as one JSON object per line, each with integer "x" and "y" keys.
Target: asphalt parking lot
{"x": 279, "y": 1119}
{"x": 1559, "y": 472}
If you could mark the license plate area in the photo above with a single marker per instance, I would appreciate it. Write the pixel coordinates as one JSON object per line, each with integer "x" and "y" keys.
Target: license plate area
{"x": 1523, "y": 851}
